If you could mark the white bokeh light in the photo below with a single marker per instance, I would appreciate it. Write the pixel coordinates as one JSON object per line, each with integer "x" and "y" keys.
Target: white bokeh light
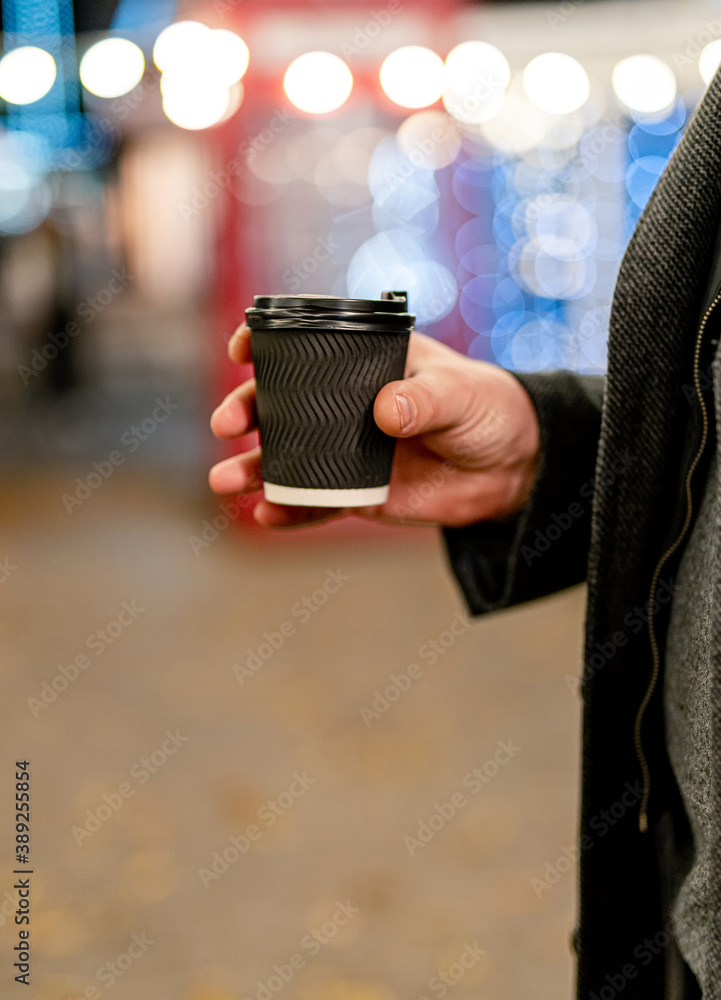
{"x": 518, "y": 127}
{"x": 26, "y": 74}
{"x": 709, "y": 60}
{"x": 413, "y": 76}
{"x": 112, "y": 67}
{"x": 178, "y": 44}
{"x": 192, "y": 105}
{"x": 556, "y": 83}
{"x": 429, "y": 139}
{"x": 644, "y": 83}
{"x": 394, "y": 259}
{"x": 201, "y": 69}
{"x": 24, "y": 197}
{"x": 477, "y": 75}
{"x": 229, "y": 55}
{"x": 318, "y": 82}
{"x": 192, "y": 49}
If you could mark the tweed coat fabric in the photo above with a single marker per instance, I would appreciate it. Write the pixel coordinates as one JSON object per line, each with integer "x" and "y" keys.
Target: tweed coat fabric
{"x": 619, "y": 451}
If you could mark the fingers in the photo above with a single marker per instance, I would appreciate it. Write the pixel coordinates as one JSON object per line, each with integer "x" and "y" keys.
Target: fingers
{"x": 237, "y": 413}
{"x": 239, "y": 474}
{"x": 433, "y": 399}
{"x": 428, "y": 398}
{"x": 272, "y": 515}
{"x": 239, "y": 345}
{"x": 242, "y": 474}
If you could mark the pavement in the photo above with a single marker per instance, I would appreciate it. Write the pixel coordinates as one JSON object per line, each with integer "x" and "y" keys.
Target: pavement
{"x": 286, "y": 767}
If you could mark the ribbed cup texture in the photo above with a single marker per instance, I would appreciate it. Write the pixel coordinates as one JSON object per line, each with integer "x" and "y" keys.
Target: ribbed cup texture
{"x": 315, "y": 394}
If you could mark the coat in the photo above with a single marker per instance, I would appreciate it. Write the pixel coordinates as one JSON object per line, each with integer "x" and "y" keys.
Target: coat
{"x": 622, "y": 459}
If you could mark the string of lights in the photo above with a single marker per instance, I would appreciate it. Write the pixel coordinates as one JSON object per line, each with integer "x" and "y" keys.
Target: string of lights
{"x": 546, "y": 175}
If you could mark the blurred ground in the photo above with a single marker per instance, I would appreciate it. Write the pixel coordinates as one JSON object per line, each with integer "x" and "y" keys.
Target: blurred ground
{"x": 110, "y": 866}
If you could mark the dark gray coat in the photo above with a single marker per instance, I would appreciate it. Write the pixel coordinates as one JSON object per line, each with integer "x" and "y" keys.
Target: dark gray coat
{"x": 611, "y": 506}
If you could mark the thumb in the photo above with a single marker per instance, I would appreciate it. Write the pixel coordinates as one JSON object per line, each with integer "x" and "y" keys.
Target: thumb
{"x": 431, "y": 400}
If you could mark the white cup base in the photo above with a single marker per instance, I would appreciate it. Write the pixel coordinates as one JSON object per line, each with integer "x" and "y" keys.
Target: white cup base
{"x": 297, "y": 496}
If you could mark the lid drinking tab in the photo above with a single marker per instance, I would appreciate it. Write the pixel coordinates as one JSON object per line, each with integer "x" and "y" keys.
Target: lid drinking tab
{"x": 395, "y": 297}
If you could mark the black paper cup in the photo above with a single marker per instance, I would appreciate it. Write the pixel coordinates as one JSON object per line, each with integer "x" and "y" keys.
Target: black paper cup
{"x": 319, "y": 363}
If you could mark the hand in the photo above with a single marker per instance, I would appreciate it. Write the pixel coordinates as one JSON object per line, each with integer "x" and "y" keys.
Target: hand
{"x": 467, "y": 449}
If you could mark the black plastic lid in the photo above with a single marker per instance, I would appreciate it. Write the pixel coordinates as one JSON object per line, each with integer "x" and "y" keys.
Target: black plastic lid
{"x": 278, "y": 312}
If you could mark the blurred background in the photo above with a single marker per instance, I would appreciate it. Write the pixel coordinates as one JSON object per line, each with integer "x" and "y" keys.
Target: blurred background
{"x": 238, "y": 790}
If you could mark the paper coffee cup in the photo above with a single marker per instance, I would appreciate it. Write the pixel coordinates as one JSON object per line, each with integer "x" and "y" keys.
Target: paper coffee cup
{"x": 319, "y": 364}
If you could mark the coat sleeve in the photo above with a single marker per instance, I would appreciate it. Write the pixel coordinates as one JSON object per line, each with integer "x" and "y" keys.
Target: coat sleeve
{"x": 545, "y": 548}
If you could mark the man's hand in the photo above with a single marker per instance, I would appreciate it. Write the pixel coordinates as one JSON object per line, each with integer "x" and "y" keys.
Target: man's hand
{"x": 467, "y": 449}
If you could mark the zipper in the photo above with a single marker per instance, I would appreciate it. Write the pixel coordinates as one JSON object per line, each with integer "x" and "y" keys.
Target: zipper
{"x": 638, "y": 742}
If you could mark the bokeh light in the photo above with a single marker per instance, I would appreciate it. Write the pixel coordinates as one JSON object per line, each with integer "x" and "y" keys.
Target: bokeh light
{"x": 669, "y": 120}
{"x": 564, "y": 228}
{"x": 550, "y": 277}
{"x": 395, "y": 259}
{"x": 178, "y": 45}
{"x": 353, "y": 151}
{"x": 201, "y": 69}
{"x": 644, "y": 83}
{"x": 230, "y": 56}
{"x": 193, "y": 105}
{"x": 556, "y": 83}
{"x": 518, "y": 127}
{"x": 709, "y": 61}
{"x": 477, "y": 75}
{"x": 341, "y": 170}
{"x": 279, "y": 162}
{"x": 26, "y": 74}
{"x": 318, "y": 82}
{"x": 602, "y": 153}
{"x": 642, "y": 177}
{"x": 413, "y": 76}
{"x": 24, "y": 198}
{"x": 537, "y": 344}
{"x": 192, "y": 49}
{"x": 430, "y": 139}
{"x": 112, "y": 67}
{"x": 404, "y": 195}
